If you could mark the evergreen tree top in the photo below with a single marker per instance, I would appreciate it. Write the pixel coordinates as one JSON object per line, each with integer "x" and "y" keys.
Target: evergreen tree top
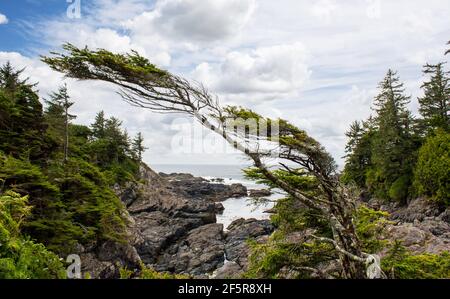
{"x": 391, "y": 97}
{"x": 10, "y": 78}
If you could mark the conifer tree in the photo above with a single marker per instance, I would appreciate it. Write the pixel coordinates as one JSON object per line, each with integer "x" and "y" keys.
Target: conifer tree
{"x": 59, "y": 117}
{"x": 22, "y": 125}
{"x": 358, "y": 153}
{"x": 392, "y": 142}
{"x": 138, "y": 146}
{"x": 10, "y": 78}
{"x": 98, "y": 127}
{"x": 118, "y": 140}
{"x": 434, "y": 105}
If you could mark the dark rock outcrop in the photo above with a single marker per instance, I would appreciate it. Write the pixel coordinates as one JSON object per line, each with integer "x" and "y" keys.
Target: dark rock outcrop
{"x": 239, "y": 231}
{"x": 417, "y": 209}
{"x": 201, "y": 251}
{"x": 219, "y": 208}
{"x": 199, "y": 188}
{"x": 259, "y": 192}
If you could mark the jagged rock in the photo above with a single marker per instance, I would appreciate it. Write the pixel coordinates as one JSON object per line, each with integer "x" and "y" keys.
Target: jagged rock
{"x": 271, "y": 211}
{"x": 434, "y": 225}
{"x": 445, "y": 216}
{"x": 180, "y": 177}
{"x": 200, "y": 252}
{"x": 126, "y": 254}
{"x": 239, "y": 231}
{"x": 219, "y": 208}
{"x": 417, "y": 240}
{"x": 96, "y": 268}
{"x": 217, "y": 180}
{"x": 259, "y": 192}
{"x": 417, "y": 209}
{"x": 199, "y": 188}
{"x": 230, "y": 270}
{"x": 158, "y": 231}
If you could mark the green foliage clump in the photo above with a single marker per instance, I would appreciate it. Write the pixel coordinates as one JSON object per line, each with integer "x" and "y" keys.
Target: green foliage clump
{"x": 148, "y": 273}
{"x": 22, "y": 127}
{"x": 359, "y": 153}
{"x": 401, "y": 264}
{"x": 91, "y": 202}
{"x": 72, "y": 204}
{"x": 369, "y": 227}
{"x": 21, "y": 258}
{"x": 273, "y": 258}
{"x": 399, "y": 188}
{"x": 266, "y": 260}
{"x": 434, "y": 105}
{"x": 122, "y": 66}
{"x": 432, "y": 172}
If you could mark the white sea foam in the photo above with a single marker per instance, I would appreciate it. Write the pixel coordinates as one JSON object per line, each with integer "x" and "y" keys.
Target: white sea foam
{"x": 235, "y": 208}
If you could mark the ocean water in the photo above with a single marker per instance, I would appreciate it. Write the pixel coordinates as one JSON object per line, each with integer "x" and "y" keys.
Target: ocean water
{"x": 235, "y": 208}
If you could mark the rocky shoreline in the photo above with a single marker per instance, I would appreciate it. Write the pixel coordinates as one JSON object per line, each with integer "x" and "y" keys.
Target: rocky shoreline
{"x": 173, "y": 229}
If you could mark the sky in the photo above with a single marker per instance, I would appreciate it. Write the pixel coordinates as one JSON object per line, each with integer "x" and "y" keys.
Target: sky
{"x": 314, "y": 63}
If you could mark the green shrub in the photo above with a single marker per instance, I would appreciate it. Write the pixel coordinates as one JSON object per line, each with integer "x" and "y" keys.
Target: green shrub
{"x": 73, "y": 204}
{"x": 267, "y": 260}
{"x": 375, "y": 183}
{"x": 21, "y": 258}
{"x": 369, "y": 227}
{"x": 432, "y": 172}
{"x": 91, "y": 202}
{"x": 148, "y": 273}
{"x": 401, "y": 264}
{"x": 399, "y": 189}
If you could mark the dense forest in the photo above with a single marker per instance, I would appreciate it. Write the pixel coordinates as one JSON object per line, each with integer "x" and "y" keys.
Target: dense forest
{"x": 56, "y": 177}
{"x": 397, "y": 157}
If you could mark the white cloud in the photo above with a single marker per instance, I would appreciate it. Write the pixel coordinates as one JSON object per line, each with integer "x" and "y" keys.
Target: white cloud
{"x": 192, "y": 20}
{"x": 324, "y": 9}
{"x": 3, "y": 19}
{"x": 276, "y": 69}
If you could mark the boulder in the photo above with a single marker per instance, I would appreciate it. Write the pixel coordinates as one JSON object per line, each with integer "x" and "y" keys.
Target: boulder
{"x": 417, "y": 240}
{"x": 417, "y": 209}
{"x": 239, "y": 231}
{"x": 219, "y": 208}
{"x": 92, "y": 267}
{"x": 259, "y": 192}
{"x": 230, "y": 270}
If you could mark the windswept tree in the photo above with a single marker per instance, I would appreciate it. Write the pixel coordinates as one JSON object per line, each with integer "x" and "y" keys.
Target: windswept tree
{"x": 434, "y": 105}
{"x": 301, "y": 157}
